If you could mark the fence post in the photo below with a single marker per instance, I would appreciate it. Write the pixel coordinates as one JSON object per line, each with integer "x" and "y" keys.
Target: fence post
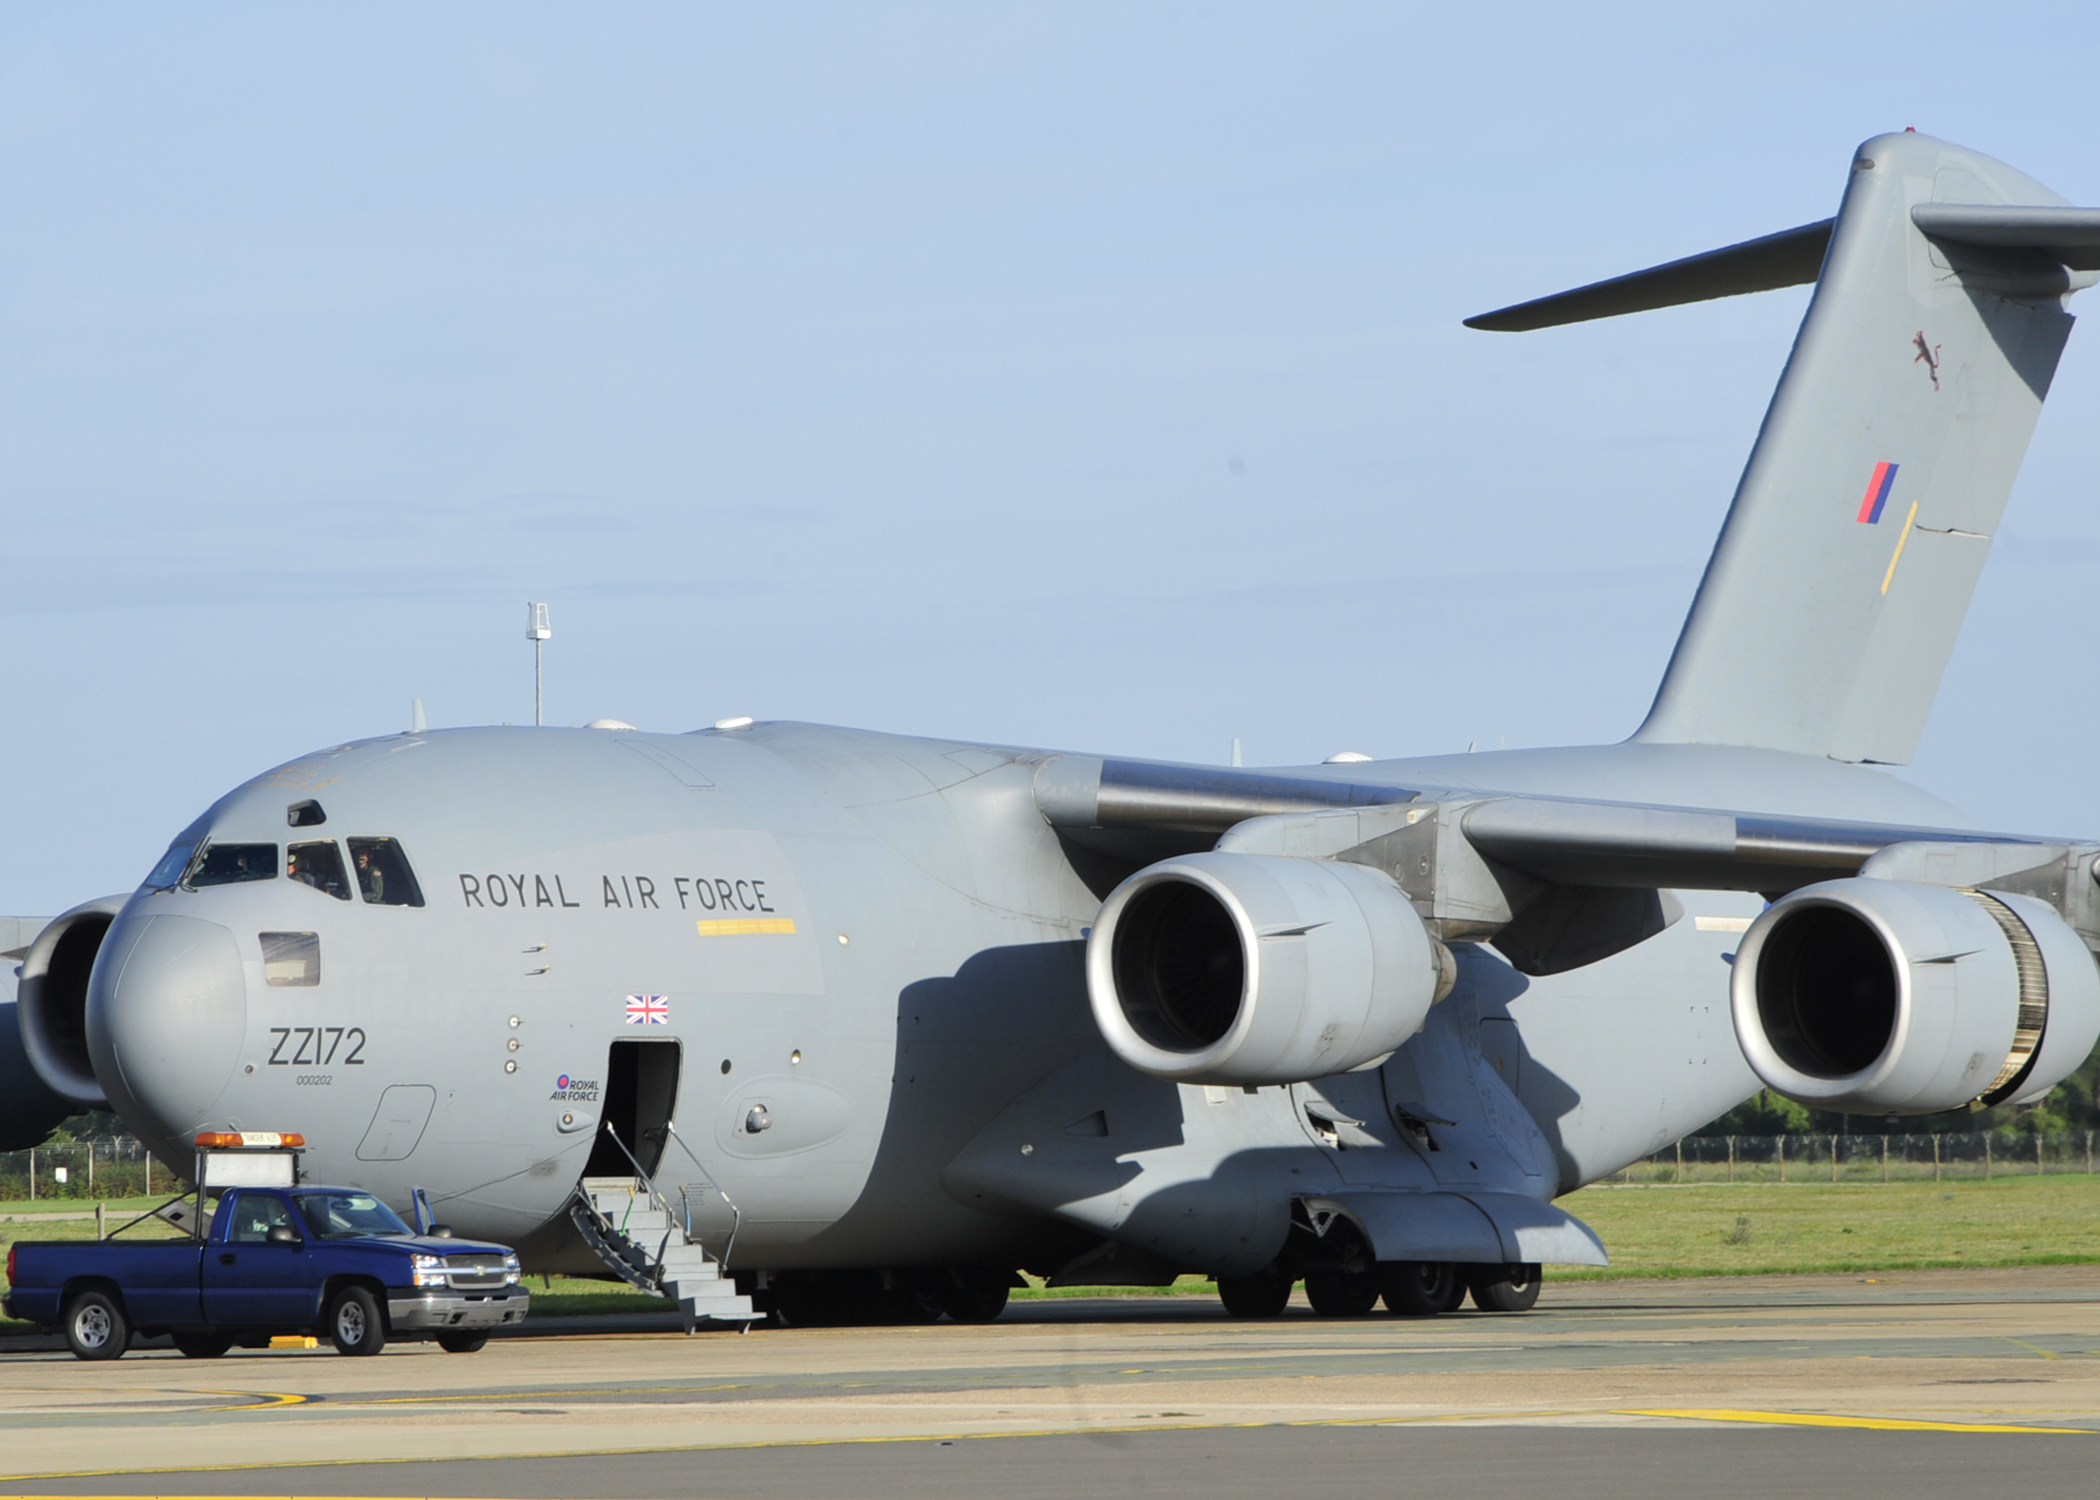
{"x": 101, "y": 1222}
{"x": 1680, "y": 1161}
{"x": 1986, "y": 1156}
{"x": 2088, "y": 1153}
{"x": 1782, "y": 1158}
{"x": 1834, "y": 1158}
{"x": 91, "y": 1173}
{"x": 32, "y": 1174}
{"x": 1884, "y": 1158}
{"x": 149, "y": 1172}
{"x": 2039, "y": 1169}
{"x": 1731, "y": 1154}
{"x": 1935, "y": 1156}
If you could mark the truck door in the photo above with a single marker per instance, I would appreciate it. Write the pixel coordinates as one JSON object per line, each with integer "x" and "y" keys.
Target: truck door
{"x": 250, "y": 1280}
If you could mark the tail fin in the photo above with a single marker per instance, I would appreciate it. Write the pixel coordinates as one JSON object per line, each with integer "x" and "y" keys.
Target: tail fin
{"x": 1832, "y": 600}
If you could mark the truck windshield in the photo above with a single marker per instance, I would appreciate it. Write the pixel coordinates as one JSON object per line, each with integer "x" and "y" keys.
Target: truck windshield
{"x": 342, "y": 1216}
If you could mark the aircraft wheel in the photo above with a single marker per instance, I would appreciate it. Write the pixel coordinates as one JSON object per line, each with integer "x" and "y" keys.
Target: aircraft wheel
{"x": 1510, "y": 1288}
{"x": 1265, "y": 1294}
{"x": 354, "y": 1323}
{"x": 1420, "y": 1288}
{"x": 96, "y": 1327}
{"x": 462, "y": 1343}
{"x": 1341, "y": 1294}
{"x": 203, "y": 1345}
{"x": 974, "y": 1295}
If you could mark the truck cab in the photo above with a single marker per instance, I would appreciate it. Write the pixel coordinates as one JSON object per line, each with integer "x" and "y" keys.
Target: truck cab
{"x": 281, "y": 1258}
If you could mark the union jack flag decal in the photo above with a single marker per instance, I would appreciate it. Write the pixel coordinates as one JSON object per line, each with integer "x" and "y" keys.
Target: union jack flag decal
{"x": 648, "y": 1010}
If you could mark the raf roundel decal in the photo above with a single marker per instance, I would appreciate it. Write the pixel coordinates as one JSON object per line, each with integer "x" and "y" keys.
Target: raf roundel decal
{"x": 562, "y": 1082}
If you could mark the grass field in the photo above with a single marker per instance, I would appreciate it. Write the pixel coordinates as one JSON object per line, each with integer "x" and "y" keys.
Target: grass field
{"x": 1714, "y": 1229}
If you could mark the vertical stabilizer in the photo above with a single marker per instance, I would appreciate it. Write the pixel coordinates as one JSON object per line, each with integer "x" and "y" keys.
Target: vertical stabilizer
{"x": 1845, "y": 566}
{"x": 1862, "y": 521}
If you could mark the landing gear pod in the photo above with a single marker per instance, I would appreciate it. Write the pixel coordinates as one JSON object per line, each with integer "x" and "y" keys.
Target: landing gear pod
{"x": 1884, "y": 997}
{"x": 1249, "y": 969}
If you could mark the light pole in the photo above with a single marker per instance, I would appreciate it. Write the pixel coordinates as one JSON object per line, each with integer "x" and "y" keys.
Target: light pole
{"x": 537, "y": 631}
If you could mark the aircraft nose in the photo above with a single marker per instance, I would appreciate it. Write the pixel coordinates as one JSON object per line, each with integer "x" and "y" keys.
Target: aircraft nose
{"x": 166, "y": 1012}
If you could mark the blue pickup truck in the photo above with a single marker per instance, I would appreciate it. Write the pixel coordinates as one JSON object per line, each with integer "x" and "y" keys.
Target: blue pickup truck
{"x": 277, "y": 1260}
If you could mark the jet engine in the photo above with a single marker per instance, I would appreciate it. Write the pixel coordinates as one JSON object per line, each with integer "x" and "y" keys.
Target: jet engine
{"x": 1884, "y": 997}
{"x": 1252, "y": 969}
{"x": 51, "y": 1001}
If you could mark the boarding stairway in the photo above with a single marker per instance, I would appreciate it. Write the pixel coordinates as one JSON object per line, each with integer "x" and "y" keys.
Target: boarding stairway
{"x": 649, "y": 1243}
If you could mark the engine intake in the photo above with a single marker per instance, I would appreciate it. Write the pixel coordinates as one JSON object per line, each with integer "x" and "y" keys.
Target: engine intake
{"x": 1886, "y": 997}
{"x": 1242, "y": 968}
{"x": 51, "y": 1001}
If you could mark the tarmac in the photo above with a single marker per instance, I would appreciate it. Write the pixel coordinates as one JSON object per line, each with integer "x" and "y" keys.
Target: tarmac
{"x": 1913, "y": 1384}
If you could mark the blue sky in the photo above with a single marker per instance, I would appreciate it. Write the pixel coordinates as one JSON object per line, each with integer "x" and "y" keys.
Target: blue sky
{"x": 1087, "y": 377}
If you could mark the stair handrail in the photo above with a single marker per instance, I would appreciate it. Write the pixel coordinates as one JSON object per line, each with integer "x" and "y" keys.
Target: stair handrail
{"x": 736, "y": 1215}
{"x": 655, "y": 1197}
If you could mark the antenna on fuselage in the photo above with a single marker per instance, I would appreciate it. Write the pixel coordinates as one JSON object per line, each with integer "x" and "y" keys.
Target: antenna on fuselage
{"x": 538, "y": 631}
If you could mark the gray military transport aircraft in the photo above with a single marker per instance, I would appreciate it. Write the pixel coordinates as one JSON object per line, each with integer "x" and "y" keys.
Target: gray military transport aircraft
{"x": 858, "y": 1025}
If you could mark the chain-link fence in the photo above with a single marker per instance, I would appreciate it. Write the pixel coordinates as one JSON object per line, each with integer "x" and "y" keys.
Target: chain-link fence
{"x": 1864, "y": 1158}
{"x": 65, "y": 1172}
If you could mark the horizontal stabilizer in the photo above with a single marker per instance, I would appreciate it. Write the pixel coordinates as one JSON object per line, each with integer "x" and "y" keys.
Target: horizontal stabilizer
{"x": 2071, "y": 235}
{"x": 1791, "y": 257}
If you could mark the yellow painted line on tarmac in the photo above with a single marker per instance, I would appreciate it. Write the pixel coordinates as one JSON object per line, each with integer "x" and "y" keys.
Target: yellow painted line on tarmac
{"x": 258, "y": 1400}
{"x": 2030, "y": 1348}
{"x": 1825, "y": 1419}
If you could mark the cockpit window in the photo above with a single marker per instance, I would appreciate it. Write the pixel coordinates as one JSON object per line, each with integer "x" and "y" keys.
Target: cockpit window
{"x": 168, "y": 873}
{"x": 229, "y": 864}
{"x": 320, "y": 865}
{"x": 383, "y": 874}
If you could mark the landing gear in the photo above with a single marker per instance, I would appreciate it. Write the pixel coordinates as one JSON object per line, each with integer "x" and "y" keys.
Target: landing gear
{"x": 1265, "y": 1294}
{"x": 971, "y": 1295}
{"x": 1420, "y": 1288}
{"x": 1510, "y": 1288}
{"x": 1341, "y": 1294}
{"x": 836, "y": 1299}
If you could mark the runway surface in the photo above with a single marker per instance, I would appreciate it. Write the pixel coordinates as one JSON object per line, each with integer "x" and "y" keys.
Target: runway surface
{"x": 1915, "y": 1385}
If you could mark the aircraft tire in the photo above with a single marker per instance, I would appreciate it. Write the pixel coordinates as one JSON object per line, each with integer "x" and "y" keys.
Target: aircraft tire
{"x": 96, "y": 1327}
{"x": 1420, "y": 1288}
{"x": 1508, "y": 1289}
{"x": 1265, "y": 1294}
{"x": 462, "y": 1343}
{"x": 203, "y": 1345}
{"x": 1341, "y": 1294}
{"x": 354, "y": 1323}
{"x": 971, "y": 1295}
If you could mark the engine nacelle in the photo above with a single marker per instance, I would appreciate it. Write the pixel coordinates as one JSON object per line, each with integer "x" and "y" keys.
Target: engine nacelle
{"x": 1249, "y": 969}
{"x": 1884, "y": 997}
{"x": 51, "y": 1002}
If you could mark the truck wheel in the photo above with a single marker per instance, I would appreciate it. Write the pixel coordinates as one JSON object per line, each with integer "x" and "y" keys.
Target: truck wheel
{"x": 1510, "y": 1288}
{"x": 353, "y": 1322}
{"x": 462, "y": 1343}
{"x": 203, "y": 1345}
{"x": 96, "y": 1327}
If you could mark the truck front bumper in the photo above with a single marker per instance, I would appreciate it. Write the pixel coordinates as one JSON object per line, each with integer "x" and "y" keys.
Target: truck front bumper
{"x": 442, "y": 1311}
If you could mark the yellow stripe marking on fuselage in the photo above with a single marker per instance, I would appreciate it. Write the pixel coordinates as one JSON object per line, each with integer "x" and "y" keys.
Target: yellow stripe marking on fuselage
{"x": 1890, "y": 576}
{"x": 744, "y": 926}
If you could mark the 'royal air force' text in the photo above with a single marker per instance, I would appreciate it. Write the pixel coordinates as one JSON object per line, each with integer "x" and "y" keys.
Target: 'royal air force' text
{"x": 706, "y": 893}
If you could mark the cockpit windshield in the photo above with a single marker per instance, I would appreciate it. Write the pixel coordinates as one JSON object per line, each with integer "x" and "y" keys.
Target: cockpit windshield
{"x": 383, "y": 875}
{"x": 319, "y": 864}
{"x": 168, "y": 873}
{"x": 229, "y": 864}
{"x": 342, "y": 1216}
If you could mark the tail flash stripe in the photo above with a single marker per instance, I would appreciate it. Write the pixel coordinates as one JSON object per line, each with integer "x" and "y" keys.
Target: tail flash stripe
{"x": 1878, "y": 489}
